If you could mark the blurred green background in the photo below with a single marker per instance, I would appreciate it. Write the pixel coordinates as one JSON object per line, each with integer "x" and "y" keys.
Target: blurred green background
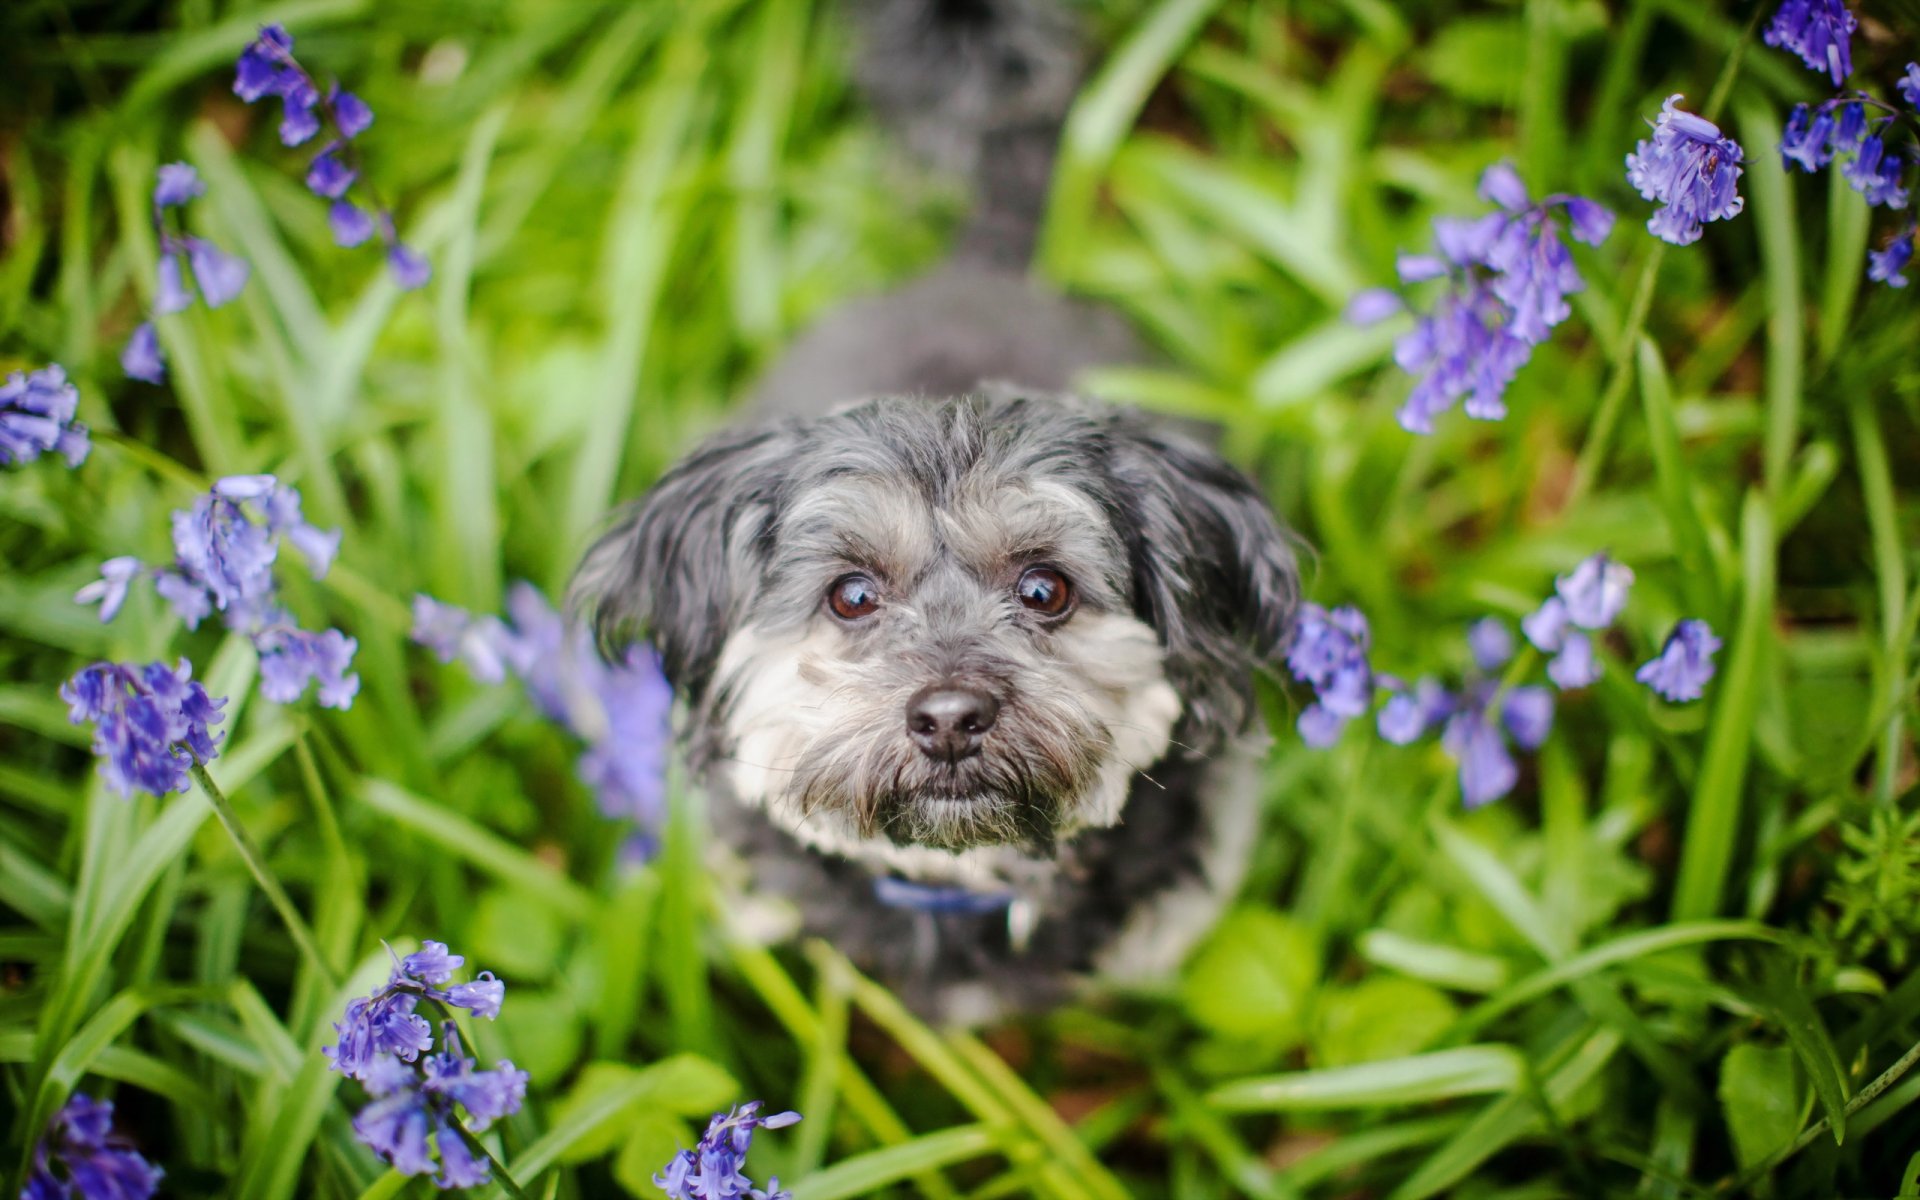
{"x": 1673, "y": 963}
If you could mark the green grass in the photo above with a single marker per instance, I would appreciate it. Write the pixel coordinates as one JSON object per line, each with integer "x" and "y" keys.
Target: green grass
{"x": 1636, "y": 975}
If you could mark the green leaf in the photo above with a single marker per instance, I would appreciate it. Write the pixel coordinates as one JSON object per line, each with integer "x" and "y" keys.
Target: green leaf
{"x": 1463, "y": 1071}
{"x": 1762, "y": 1097}
{"x": 866, "y": 1173}
{"x": 652, "y": 1139}
{"x": 685, "y": 1085}
{"x": 1378, "y": 1018}
{"x": 1253, "y": 976}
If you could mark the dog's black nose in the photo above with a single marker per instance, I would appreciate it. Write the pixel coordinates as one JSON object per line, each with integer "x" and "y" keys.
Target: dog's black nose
{"x": 949, "y": 723}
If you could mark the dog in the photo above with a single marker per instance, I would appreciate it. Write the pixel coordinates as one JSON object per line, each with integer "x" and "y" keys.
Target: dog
{"x": 966, "y": 661}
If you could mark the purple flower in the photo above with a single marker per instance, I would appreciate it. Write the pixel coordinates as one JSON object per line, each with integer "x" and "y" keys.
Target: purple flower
{"x": 384, "y": 1023}
{"x": 1691, "y": 169}
{"x": 1852, "y": 126}
{"x": 410, "y": 269}
{"x": 1909, "y": 85}
{"x": 1874, "y": 172}
{"x": 221, "y": 276}
{"x": 263, "y": 66}
{"x": 1818, "y": 31}
{"x": 1411, "y": 714}
{"x": 1575, "y": 666}
{"x": 431, "y": 963}
{"x": 1595, "y": 591}
{"x": 92, "y": 1163}
{"x": 714, "y": 1168}
{"x": 351, "y": 116}
{"x": 1684, "y": 664}
{"x": 178, "y": 184}
{"x": 110, "y": 590}
{"x": 329, "y": 177}
{"x": 170, "y": 291}
{"x": 1889, "y": 265}
{"x": 291, "y": 658}
{"x": 37, "y": 417}
{"x": 622, "y": 711}
{"x": 1490, "y": 642}
{"x": 1329, "y": 652}
{"x": 151, "y": 723}
{"x": 1528, "y": 716}
{"x": 1509, "y": 276}
{"x": 395, "y": 1128}
{"x": 1487, "y": 770}
{"x": 141, "y": 358}
{"x": 415, "y": 1094}
{"x": 299, "y": 118}
{"x": 1546, "y": 627}
{"x": 1372, "y": 306}
{"x": 1808, "y": 139}
{"x": 350, "y": 226}
{"x": 482, "y": 997}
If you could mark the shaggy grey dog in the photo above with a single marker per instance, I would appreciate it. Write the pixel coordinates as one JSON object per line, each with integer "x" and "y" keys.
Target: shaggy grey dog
{"x": 966, "y": 666}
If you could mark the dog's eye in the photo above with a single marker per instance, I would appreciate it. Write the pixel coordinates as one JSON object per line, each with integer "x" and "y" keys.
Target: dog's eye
{"x": 852, "y": 597}
{"x": 1045, "y": 591}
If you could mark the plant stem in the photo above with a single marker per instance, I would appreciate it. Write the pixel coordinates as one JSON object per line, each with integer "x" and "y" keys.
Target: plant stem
{"x": 1593, "y": 452}
{"x": 263, "y": 875}
{"x": 499, "y": 1168}
{"x": 1867, "y": 1095}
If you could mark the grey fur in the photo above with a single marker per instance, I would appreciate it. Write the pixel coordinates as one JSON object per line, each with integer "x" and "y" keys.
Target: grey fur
{"x": 1112, "y": 796}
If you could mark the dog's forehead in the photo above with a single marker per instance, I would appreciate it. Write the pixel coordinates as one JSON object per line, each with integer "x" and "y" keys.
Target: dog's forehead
{"x": 902, "y": 519}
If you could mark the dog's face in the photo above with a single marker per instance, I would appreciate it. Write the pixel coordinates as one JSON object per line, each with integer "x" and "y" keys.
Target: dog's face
{"x": 948, "y": 624}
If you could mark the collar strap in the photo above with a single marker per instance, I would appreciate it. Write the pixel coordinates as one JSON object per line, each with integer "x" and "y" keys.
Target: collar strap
{"x": 941, "y": 901}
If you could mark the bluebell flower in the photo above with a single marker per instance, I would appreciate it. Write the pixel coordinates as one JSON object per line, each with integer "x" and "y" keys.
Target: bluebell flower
{"x": 1808, "y": 141}
{"x": 716, "y": 1166}
{"x": 226, "y": 546}
{"x": 1508, "y": 274}
{"x": 1690, "y": 169}
{"x": 267, "y": 67}
{"x": 1874, "y": 172}
{"x": 1329, "y": 653}
{"x": 1575, "y": 665}
{"x": 291, "y": 658}
{"x": 1819, "y": 31}
{"x": 350, "y": 226}
{"x": 1373, "y": 305}
{"x": 142, "y": 358}
{"x": 178, "y": 184}
{"x": 351, "y": 116}
{"x": 110, "y": 590}
{"x": 220, "y": 276}
{"x": 1412, "y": 713}
{"x": 1487, "y": 769}
{"x": 622, "y": 711}
{"x": 418, "y": 1095}
{"x": 37, "y": 417}
{"x": 1684, "y": 665}
{"x": 1595, "y": 591}
{"x": 1852, "y": 124}
{"x": 151, "y": 723}
{"x": 1888, "y": 264}
{"x": 1587, "y": 600}
{"x": 410, "y": 269}
{"x": 170, "y": 291}
{"x": 328, "y": 176}
{"x": 1527, "y": 714}
{"x": 481, "y": 997}
{"x": 1909, "y": 85}
{"x": 1490, "y": 642}
{"x": 81, "y": 1157}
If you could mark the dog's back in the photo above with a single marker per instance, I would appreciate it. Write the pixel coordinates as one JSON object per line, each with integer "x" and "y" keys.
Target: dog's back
{"x": 979, "y": 88}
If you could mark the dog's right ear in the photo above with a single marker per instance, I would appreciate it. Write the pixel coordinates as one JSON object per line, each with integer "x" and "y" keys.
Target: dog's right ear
{"x": 670, "y": 566}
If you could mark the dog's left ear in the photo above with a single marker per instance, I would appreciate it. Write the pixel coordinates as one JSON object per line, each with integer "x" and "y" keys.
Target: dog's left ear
{"x": 1213, "y": 573}
{"x": 670, "y": 566}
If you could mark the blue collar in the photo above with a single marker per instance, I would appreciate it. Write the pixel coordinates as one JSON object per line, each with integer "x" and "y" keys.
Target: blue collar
{"x": 941, "y": 901}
